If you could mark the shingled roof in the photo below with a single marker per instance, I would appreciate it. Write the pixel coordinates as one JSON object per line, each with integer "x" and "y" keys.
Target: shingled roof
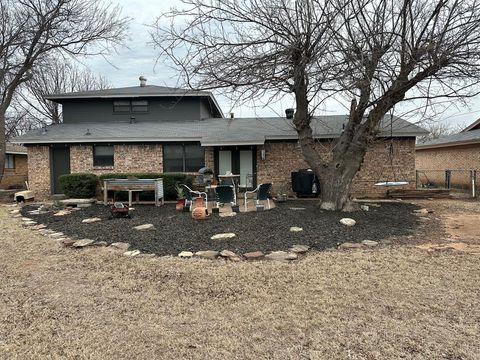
{"x": 462, "y": 138}
{"x": 209, "y": 132}
{"x": 15, "y": 149}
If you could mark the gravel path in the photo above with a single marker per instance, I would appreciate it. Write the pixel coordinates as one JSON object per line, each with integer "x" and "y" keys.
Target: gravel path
{"x": 264, "y": 231}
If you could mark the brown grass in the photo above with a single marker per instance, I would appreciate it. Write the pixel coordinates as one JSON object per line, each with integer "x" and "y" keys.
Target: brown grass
{"x": 387, "y": 303}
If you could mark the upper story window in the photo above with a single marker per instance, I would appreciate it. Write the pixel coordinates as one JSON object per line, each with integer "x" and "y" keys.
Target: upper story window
{"x": 103, "y": 155}
{"x": 9, "y": 161}
{"x": 183, "y": 157}
{"x": 130, "y": 106}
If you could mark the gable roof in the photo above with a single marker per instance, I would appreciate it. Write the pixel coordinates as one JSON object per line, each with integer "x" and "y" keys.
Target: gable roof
{"x": 15, "y": 149}
{"x": 462, "y": 138}
{"x": 147, "y": 91}
{"x": 473, "y": 126}
{"x": 209, "y": 132}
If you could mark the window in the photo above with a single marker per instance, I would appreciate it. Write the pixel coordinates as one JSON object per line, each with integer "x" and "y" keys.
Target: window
{"x": 128, "y": 106}
{"x": 103, "y": 155}
{"x": 9, "y": 161}
{"x": 183, "y": 157}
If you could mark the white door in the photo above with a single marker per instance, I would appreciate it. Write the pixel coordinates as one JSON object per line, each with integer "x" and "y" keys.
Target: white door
{"x": 246, "y": 168}
{"x": 224, "y": 162}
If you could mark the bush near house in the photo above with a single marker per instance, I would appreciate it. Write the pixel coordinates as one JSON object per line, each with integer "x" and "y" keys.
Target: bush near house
{"x": 79, "y": 185}
{"x": 169, "y": 180}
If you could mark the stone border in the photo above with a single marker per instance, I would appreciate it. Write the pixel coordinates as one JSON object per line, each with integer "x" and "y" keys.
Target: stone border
{"x": 294, "y": 253}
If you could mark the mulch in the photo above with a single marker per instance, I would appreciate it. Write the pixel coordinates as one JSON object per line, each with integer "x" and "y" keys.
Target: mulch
{"x": 264, "y": 231}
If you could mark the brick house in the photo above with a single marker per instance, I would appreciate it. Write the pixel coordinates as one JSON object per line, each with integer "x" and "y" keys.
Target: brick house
{"x": 159, "y": 129}
{"x": 16, "y": 169}
{"x": 458, "y": 152}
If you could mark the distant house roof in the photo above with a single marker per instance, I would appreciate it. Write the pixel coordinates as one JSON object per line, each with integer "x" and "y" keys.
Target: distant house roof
{"x": 462, "y": 138}
{"x": 15, "y": 149}
{"x": 210, "y": 132}
{"x": 134, "y": 92}
{"x": 473, "y": 126}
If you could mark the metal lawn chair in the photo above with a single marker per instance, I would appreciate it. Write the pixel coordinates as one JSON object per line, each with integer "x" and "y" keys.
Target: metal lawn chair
{"x": 225, "y": 194}
{"x": 189, "y": 199}
{"x": 262, "y": 193}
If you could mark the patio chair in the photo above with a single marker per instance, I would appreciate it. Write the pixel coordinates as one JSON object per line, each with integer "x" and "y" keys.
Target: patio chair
{"x": 189, "y": 198}
{"x": 225, "y": 194}
{"x": 262, "y": 193}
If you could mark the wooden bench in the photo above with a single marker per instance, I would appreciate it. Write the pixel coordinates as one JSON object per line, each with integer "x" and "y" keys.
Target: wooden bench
{"x": 134, "y": 185}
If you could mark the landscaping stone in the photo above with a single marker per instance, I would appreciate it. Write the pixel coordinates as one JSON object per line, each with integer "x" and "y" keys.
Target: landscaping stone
{"x": 62, "y": 213}
{"x": 145, "y": 255}
{"x": 29, "y": 223}
{"x": 347, "y": 222}
{"x": 296, "y": 229}
{"x": 100, "y": 243}
{"x": 120, "y": 245}
{"x": 255, "y": 255}
{"x": 132, "y": 253}
{"x": 207, "y": 254}
{"x": 26, "y": 219}
{"x": 299, "y": 249}
{"x": 77, "y": 202}
{"x": 14, "y": 212}
{"x": 421, "y": 211}
{"x": 281, "y": 256}
{"x": 82, "y": 243}
{"x": 68, "y": 242}
{"x": 297, "y": 208}
{"x": 144, "y": 227}
{"x": 17, "y": 216}
{"x": 228, "y": 254}
{"x": 223, "y": 236}
{"x": 91, "y": 220}
{"x": 364, "y": 207}
{"x": 369, "y": 243}
{"x": 39, "y": 227}
{"x": 56, "y": 235}
{"x": 230, "y": 214}
{"x": 186, "y": 254}
{"x": 349, "y": 245}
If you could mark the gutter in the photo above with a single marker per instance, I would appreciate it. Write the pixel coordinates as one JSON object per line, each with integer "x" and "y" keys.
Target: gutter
{"x": 449, "y": 144}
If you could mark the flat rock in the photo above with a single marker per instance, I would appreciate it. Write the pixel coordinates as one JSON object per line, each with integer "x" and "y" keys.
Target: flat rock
{"x": 100, "y": 243}
{"x": 91, "y": 220}
{"x": 132, "y": 253}
{"x": 364, "y": 207}
{"x": 421, "y": 211}
{"x": 82, "y": 243}
{"x": 56, "y": 235}
{"x": 29, "y": 223}
{"x": 228, "y": 254}
{"x": 186, "y": 254}
{"x": 297, "y": 208}
{"x": 229, "y": 214}
{"x": 369, "y": 243}
{"x": 255, "y": 255}
{"x": 146, "y": 255}
{"x": 14, "y": 212}
{"x": 120, "y": 245}
{"x": 296, "y": 229}
{"x": 299, "y": 249}
{"x": 62, "y": 213}
{"x": 144, "y": 227}
{"x": 39, "y": 227}
{"x": 207, "y": 254}
{"x": 26, "y": 219}
{"x": 349, "y": 245}
{"x": 78, "y": 201}
{"x": 347, "y": 222}
{"x": 223, "y": 236}
{"x": 82, "y": 206}
{"x": 281, "y": 256}
{"x": 68, "y": 242}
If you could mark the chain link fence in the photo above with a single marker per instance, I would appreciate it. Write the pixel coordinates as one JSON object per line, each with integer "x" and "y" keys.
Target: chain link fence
{"x": 462, "y": 183}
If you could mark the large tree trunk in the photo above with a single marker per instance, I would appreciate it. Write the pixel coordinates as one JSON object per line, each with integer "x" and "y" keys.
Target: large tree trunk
{"x": 2, "y": 143}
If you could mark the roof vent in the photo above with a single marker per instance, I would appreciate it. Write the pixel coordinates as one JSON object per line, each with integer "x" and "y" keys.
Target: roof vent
{"x": 143, "y": 81}
{"x": 232, "y": 115}
{"x": 289, "y": 113}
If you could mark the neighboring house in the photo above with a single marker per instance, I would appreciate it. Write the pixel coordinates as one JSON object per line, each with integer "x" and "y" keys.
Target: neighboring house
{"x": 455, "y": 152}
{"x": 16, "y": 169}
{"x": 160, "y": 129}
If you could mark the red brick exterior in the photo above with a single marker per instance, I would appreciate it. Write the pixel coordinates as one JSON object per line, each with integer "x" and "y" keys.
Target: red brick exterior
{"x": 17, "y": 176}
{"x": 280, "y": 160}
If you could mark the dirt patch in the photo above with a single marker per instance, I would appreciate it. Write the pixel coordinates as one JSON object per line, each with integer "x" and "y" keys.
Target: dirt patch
{"x": 174, "y": 232}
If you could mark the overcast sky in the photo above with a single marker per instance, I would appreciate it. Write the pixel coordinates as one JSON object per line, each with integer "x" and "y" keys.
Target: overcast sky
{"x": 124, "y": 68}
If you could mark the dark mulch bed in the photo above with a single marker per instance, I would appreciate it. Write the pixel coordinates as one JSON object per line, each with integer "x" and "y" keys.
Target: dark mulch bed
{"x": 264, "y": 231}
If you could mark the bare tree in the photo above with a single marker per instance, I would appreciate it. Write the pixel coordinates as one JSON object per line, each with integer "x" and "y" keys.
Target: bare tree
{"x": 374, "y": 53}
{"x": 30, "y": 30}
{"x": 55, "y": 76}
{"x": 437, "y": 130}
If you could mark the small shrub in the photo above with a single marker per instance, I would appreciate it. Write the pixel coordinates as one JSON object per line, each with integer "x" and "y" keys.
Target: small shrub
{"x": 79, "y": 185}
{"x": 169, "y": 180}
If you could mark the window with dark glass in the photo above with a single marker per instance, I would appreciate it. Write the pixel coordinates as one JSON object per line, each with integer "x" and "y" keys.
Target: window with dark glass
{"x": 128, "y": 106}
{"x": 103, "y": 155}
{"x": 9, "y": 161}
{"x": 183, "y": 157}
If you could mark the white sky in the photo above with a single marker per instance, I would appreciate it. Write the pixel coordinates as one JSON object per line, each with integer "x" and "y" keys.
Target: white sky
{"x": 124, "y": 68}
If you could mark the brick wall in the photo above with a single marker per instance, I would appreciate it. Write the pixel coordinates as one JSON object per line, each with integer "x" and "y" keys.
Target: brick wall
{"x": 16, "y": 177}
{"x": 283, "y": 158}
{"x": 209, "y": 157}
{"x": 39, "y": 171}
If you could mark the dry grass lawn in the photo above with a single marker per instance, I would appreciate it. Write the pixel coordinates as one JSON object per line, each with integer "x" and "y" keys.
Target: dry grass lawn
{"x": 389, "y": 303}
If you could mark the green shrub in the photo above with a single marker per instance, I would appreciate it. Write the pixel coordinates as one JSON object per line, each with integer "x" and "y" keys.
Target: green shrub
{"x": 169, "y": 180}
{"x": 79, "y": 185}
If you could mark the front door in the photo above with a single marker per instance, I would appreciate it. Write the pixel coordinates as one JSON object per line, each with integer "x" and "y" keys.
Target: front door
{"x": 238, "y": 160}
{"x": 60, "y": 165}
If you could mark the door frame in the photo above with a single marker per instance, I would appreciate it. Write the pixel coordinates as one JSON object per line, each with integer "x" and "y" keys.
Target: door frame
{"x": 236, "y": 160}
{"x": 52, "y": 170}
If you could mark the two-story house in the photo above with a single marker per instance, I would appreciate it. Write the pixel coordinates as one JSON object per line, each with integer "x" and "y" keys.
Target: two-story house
{"x": 159, "y": 129}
